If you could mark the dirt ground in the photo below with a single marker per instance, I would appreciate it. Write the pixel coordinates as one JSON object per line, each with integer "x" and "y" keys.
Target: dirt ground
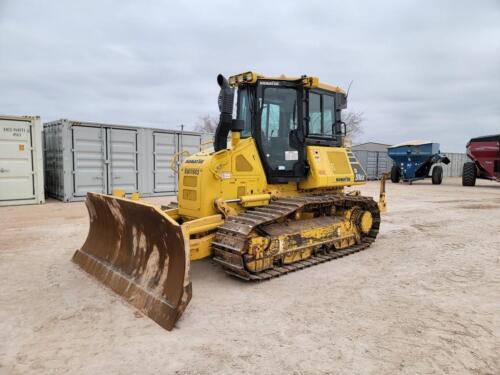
{"x": 424, "y": 299}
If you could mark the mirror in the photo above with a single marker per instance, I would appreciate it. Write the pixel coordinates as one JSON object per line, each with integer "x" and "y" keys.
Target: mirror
{"x": 339, "y": 128}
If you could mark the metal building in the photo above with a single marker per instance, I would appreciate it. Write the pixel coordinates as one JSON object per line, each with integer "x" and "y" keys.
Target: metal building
{"x": 83, "y": 157}
{"x": 457, "y": 160}
{"x": 21, "y": 165}
{"x": 374, "y": 159}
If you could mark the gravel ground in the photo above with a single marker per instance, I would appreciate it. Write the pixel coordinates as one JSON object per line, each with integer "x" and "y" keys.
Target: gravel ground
{"x": 424, "y": 299}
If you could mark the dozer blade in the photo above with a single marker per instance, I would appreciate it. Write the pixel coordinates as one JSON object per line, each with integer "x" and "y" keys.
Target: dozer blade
{"x": 140, "y": 253}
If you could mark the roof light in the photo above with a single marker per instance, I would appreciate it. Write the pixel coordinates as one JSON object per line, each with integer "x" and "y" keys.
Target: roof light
{"x": 248, "y": 76}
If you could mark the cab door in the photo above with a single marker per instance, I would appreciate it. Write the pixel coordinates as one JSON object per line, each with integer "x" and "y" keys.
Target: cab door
{"x": 278, "y": 131}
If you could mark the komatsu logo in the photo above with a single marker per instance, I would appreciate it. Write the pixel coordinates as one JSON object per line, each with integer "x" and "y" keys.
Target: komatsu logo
{"x": 270, "y": 83}
{"x": 194, "y": 161}
{"x": 343, "y": 179}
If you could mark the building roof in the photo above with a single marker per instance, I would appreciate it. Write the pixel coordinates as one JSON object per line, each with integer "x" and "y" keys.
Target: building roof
{"x": 371, "y": 146}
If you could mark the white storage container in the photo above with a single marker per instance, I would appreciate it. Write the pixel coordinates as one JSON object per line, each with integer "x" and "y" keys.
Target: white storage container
{"x": 21, "y": 160}
{"x": 83, "y": 157}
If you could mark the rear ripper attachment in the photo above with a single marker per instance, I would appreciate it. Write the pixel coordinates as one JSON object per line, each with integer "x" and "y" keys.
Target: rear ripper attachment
{"x": 140, "y": 253}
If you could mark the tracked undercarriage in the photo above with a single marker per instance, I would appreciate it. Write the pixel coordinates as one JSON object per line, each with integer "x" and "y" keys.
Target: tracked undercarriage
{"x": 293, "y": 233}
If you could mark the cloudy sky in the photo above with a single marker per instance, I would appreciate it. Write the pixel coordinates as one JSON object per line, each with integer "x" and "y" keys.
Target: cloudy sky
{"x": 426, "y": 70}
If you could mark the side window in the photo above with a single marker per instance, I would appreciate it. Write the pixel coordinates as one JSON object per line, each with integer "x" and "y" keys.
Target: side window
{"x": 314, "y": 113}
{"x": 328, "y": 114}
{"x": 321, "y": 114}
{"x": 244, "y": 113}
{"x": 270, "y": 120}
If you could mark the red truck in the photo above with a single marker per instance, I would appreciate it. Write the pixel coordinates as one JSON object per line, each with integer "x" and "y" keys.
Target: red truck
{"x": 485, "y": 155}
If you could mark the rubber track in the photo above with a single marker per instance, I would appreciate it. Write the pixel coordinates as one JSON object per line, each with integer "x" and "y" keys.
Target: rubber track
{"x": 232, "y": 236}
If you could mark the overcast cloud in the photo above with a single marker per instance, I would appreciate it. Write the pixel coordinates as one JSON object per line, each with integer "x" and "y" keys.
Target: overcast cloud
{"x": 428, "y": 70}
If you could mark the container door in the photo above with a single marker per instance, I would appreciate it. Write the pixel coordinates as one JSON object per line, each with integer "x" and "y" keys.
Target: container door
{"x": 190, "y": 143}
{"x": 122, "y": 157}
{"x": 371, "y": 165}
{"x": 16, "y": 160}
{"x": 89, "y": 154}
{"x": 163, "y": 151}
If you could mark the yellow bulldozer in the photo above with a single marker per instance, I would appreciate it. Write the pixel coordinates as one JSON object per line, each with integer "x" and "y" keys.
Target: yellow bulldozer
{"x": 269, "y": 203}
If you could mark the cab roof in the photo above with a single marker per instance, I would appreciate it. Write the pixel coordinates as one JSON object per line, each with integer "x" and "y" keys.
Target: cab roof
{"x": 309, "y": 82}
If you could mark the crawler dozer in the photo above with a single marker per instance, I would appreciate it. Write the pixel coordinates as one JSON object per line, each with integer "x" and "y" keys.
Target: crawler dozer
{"x": 270, "y": 202}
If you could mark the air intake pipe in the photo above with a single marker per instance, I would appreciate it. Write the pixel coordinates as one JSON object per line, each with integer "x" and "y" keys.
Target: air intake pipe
{"x": 226, "y": 122}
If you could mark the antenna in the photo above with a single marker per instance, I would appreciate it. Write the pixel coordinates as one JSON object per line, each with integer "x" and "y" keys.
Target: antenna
{"x": 349, "y": 88}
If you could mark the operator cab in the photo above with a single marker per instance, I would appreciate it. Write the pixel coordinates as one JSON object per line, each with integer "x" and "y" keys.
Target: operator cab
{"x": 284, "y": 115}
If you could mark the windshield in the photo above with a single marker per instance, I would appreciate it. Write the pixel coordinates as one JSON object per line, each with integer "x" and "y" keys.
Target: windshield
{"x": 278, "y": 118}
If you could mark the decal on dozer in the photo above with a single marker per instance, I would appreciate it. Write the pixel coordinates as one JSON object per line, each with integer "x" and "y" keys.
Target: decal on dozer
{"x": 140, "y": 253}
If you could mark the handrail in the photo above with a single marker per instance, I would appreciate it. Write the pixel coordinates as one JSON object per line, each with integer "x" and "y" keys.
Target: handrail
{"x": 174, "y": 163}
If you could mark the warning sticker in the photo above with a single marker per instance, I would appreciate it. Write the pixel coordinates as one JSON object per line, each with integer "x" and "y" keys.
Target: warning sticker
{"x": 291, "y": 155}
{"x": 21, "y": 147}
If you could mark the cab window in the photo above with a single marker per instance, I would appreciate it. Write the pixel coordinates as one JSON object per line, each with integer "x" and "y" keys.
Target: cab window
{"x": 244, "y": 113}
{"x": 321, "y": 114}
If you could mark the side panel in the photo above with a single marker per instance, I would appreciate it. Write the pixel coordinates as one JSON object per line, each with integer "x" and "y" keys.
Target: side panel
{"x": 89, "y": 155}
{"x": 16, "y": 161}
{"x": 329, "y": 167}
{"x": 21, "y": 160}
{"x": 227, "y": 174}
{"x": 122, "y": 157}
{"x": 487, "y": 154}
{"x": 164, "y": 148}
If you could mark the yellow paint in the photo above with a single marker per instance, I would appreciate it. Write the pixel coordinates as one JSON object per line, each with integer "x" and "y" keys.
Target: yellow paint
{"x": 309, "y": 82}
{"x": 219, "y": 175}
{"x": 200, "y": 248}
{"x": 382, "y": 204}
{"x": 330, "y": 167}
{"x": 255, "y": 200}
{"x": 366, "y": 222}
{"x": 120, "y": 193}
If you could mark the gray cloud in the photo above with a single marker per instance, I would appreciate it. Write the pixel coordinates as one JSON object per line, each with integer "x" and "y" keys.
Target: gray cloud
{"x": 420, "y": 70}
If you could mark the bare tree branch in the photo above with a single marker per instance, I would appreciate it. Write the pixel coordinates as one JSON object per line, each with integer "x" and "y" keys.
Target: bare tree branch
{"x": 206, "y": 124}
{"x": 353, "y": 121}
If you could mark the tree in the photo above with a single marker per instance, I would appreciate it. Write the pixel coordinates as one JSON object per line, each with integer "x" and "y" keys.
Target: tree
{"x": 206, "y": 124}
{"x": 353, "y": 122}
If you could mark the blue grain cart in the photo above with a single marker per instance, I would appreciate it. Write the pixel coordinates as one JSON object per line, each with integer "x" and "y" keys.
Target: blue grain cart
{"x": 413, "y": 161}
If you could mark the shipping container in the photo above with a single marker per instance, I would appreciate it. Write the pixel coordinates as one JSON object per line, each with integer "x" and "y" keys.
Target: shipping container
{"x": 83, "y": 157}
{"x": 375, "y": 163}
{"x": 21, "y": 160}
